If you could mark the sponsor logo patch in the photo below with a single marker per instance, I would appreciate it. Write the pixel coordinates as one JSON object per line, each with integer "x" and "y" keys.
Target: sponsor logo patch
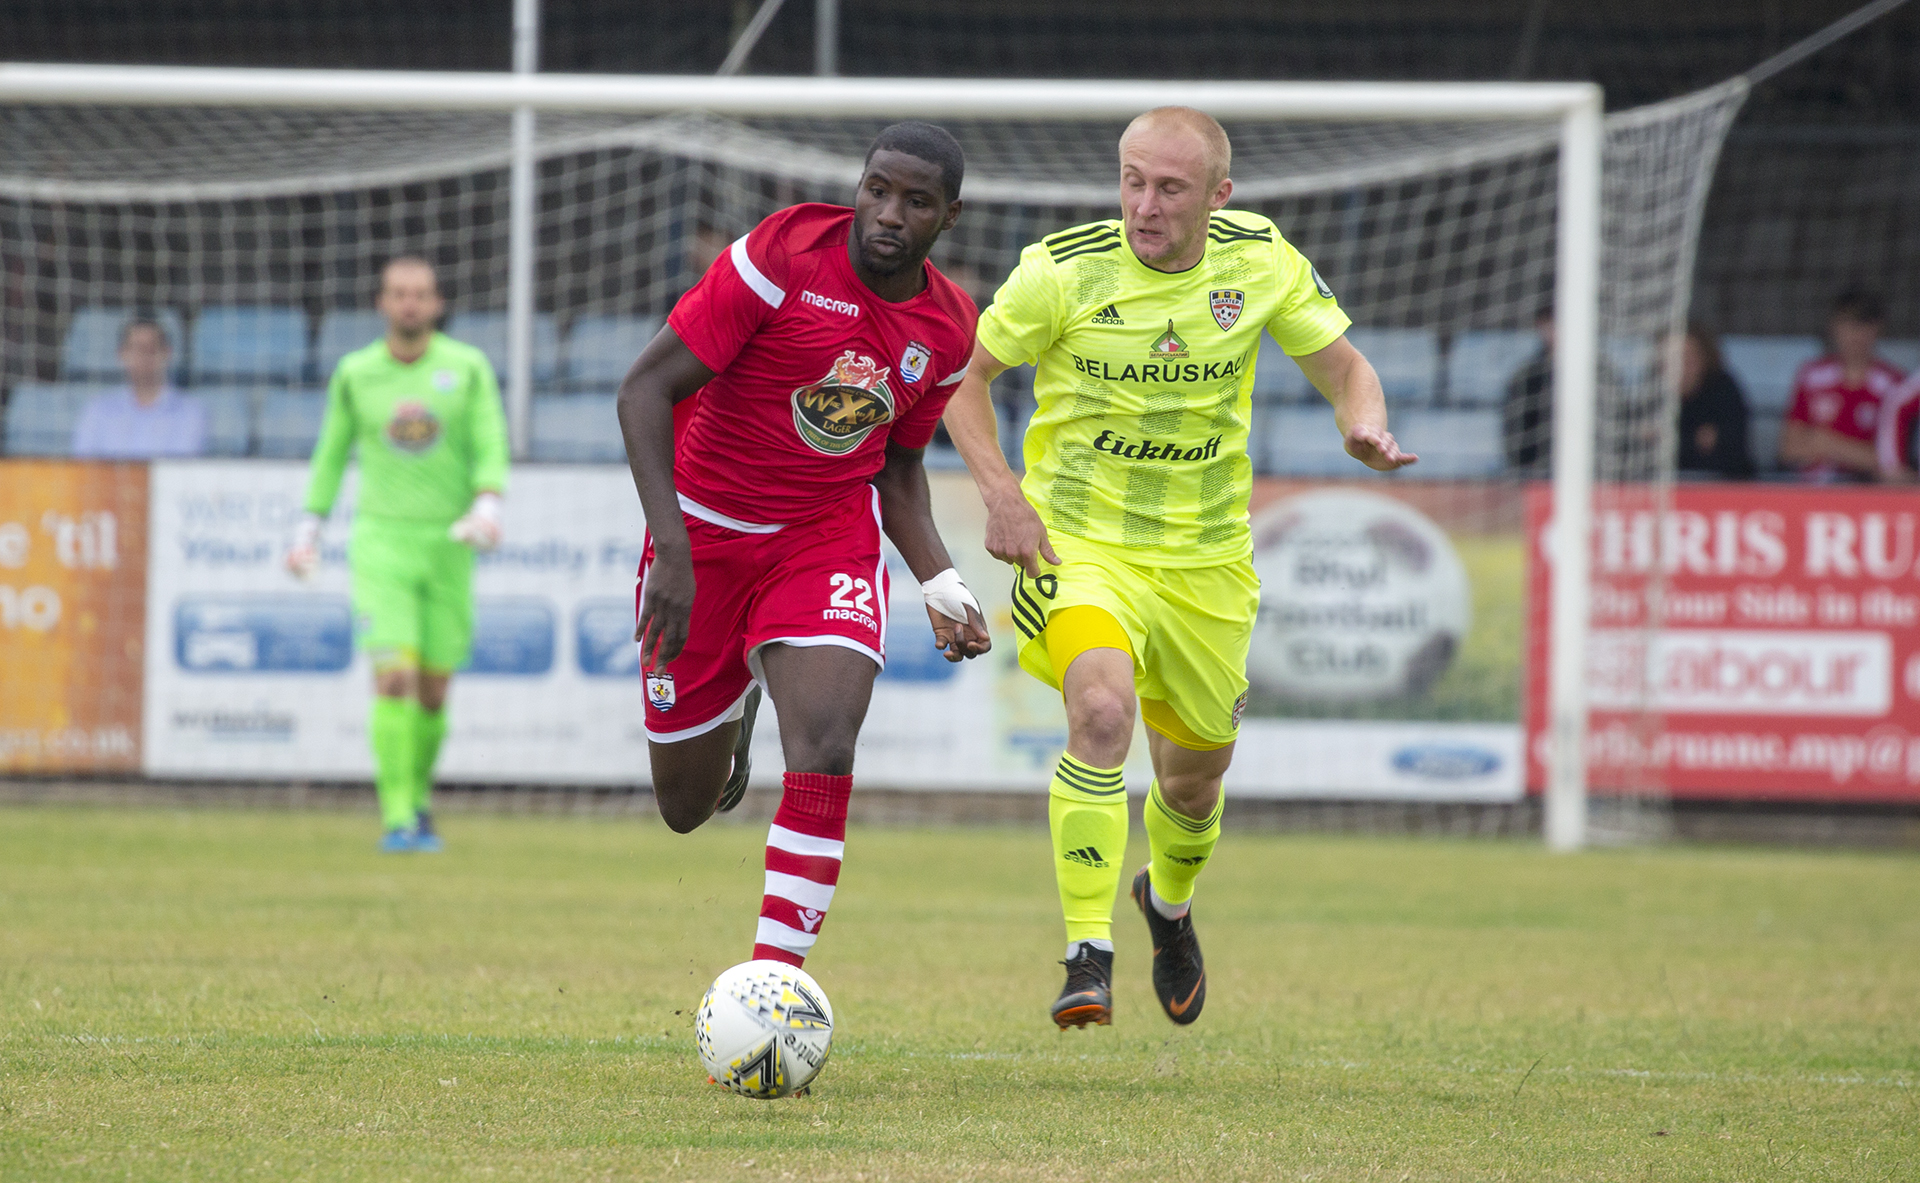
{"x": 660, "y": 690}
{"x": 1166, "y": 345}
{"x": 1226, "y": 305}
{"x": 1110, "y": 315}
{"x": 837, "y": 413}
{"x": 1325, "y": 291}
{"x": 413, "y": 427}
{"x": 445, "y": 380}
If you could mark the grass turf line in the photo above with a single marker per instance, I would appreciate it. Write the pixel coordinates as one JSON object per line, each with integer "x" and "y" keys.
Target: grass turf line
{"x": 211, "y": 995}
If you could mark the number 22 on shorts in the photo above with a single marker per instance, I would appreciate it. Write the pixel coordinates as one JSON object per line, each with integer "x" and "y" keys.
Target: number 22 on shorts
{"x": 852, "y": 599}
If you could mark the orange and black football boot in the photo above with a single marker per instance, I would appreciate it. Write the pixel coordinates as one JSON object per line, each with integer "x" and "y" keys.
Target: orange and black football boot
{"x": 1088, "y": 995}
{"x": 1179, "y": 976}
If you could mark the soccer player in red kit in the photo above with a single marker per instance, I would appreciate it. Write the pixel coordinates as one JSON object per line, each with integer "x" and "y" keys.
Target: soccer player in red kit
{"x": 775, "y": 428}
{"x": 1832, "y": 427}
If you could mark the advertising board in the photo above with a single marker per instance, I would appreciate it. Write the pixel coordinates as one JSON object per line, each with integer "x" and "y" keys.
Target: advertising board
{"x": 73, "y": 567}
{"x": 1763, "y": 643}
{"x": 1407, "y": 690}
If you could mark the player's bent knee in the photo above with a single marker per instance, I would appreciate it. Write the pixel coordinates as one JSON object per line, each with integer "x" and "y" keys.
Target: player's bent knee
{"x": 1101, "y": 719}
{"x": 681, "y": 815}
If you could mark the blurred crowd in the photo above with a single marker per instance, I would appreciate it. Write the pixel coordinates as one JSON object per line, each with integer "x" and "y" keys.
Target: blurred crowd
{"x": 1852, "y": 417}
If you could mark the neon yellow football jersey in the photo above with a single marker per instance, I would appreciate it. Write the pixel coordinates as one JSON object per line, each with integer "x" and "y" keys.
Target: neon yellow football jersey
{"x": 1144, "y": 380}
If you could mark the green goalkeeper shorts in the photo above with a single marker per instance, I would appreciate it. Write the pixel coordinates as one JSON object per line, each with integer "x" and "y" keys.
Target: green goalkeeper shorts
{"x": 412, "y": 594}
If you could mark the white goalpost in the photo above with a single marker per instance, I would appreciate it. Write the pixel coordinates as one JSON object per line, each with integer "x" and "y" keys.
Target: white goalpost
{"x": 1450, "y": 210}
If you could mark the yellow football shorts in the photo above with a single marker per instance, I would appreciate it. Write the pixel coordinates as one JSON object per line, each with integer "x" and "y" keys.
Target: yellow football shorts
{"x": 1187, "y": 629}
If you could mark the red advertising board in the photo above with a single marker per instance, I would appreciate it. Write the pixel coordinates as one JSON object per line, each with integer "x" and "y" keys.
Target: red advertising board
{"x": 1758, "y": 642}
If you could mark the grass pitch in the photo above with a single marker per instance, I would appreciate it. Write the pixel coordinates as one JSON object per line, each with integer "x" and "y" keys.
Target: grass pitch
{"x": 208, "y": 996}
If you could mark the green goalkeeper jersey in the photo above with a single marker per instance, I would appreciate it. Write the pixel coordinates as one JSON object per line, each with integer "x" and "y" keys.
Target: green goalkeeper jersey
{"x": 1144, "y": 380}
{"x": 430, "y": 432}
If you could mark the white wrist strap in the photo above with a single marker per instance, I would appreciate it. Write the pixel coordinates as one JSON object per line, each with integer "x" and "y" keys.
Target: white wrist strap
{"x": 307, "y": 533}
{"x": 947, "y": 594}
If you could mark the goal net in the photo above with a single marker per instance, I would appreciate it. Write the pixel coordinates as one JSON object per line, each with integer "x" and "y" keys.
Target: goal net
{"x": 1399, "y": 639}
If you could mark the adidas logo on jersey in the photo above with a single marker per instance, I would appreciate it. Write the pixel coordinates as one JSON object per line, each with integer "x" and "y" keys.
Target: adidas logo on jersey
{"x": 1086, "y": 856}
{"x": 1110, "y": 315}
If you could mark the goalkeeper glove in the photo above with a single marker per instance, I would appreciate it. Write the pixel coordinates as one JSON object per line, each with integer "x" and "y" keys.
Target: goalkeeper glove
{"x": 480, "y": 528}
{"x": 947, "y": 594}
{"x": 303, "y": 557}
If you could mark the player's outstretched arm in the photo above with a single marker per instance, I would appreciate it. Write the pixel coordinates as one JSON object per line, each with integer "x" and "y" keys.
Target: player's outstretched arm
{"x": 666, "y": 372}
{"x": 906, "y": 514}
{"x": 1015, "y": 533}
{"x": 1348, "y": 381}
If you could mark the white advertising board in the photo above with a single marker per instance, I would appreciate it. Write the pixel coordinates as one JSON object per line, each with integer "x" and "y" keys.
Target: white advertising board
{"x": 252, "y": 674}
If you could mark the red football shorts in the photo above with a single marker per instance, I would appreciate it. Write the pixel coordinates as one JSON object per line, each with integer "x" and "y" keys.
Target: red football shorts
{"x": 819, "y": 582}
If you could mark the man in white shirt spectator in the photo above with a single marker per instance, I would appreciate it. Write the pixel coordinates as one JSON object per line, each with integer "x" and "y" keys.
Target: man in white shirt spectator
{"x": 147, "y": 417}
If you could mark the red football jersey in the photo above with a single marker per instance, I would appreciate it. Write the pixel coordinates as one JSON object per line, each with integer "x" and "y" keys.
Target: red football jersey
{"x": 1823, "y": 397}
{"x": 1899, "y": 416}
{"x": 813, "y": 372}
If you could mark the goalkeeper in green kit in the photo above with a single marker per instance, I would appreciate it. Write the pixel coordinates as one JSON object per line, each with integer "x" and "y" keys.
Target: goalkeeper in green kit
{"x": 424, "y": 412}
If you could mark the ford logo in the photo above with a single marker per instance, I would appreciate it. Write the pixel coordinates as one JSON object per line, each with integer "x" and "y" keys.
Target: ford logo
{"x": 1445, "y": 761}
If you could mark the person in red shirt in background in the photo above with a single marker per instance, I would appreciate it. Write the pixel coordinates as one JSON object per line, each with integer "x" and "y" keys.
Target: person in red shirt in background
{"x": 1832, "y": 428}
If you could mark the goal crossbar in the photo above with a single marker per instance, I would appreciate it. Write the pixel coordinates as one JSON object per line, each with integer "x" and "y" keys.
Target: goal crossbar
{"x": 803, "y": 96}
{"x": 1575, "y": 107}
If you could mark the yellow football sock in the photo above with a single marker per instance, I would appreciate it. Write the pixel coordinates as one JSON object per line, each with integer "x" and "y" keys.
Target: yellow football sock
{"x": 1179, "y": 846}
{"x": 1087, "y": 812}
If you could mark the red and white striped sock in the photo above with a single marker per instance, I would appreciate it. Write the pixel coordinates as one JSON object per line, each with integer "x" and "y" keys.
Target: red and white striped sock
{"x": 804, "y": 846}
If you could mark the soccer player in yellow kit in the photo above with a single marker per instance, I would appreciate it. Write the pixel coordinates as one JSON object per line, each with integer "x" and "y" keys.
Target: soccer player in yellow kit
{"x": 1136, "y": 587}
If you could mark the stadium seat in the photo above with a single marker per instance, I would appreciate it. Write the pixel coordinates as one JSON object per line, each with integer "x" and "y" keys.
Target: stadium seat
{"x": 576, "y": 428}
{"x": 1904, "y": 354}
{"x": 1452, "y": 442}
{"x": 40, "y": 417}
{"x": 1407, "y": 360}
{"x": 1302, "y": 441}
{"x": 260, "y": 341}
{"x": 92, "y": 349}
{"x": 289, "y": 422}
{"x": 487, "y": 332}
{"x": 1480, "y": 364}
{"x": 1277, "y": 377}
{"x": 229, "y": 418}
{"x": 600, "y": 349}
{"x": 343, "y": 330}
{"x": 1765, "y": 366}
{"x": 1631, "y": 359}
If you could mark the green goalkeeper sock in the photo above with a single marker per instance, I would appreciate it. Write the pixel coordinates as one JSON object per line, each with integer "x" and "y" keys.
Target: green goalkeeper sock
{"x": 432, "y": 729}
{"x": 1087, "y": 813}
{"x": 394, "y": 729}
{"x": 1179, "y": 846}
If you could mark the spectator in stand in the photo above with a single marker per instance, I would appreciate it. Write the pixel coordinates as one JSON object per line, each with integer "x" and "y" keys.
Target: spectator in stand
{"x": 1713, "y": 412}
{"x": 1895, "y": 444}
{"x": 147, "y": 417}
{"x": 1527, "y": 411}
{"x": 1832, "y": 427}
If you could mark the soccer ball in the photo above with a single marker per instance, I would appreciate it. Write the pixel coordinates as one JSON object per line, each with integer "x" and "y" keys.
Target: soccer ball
{"x": 1362, "y": 598}
{"x": 764, "y": 1029}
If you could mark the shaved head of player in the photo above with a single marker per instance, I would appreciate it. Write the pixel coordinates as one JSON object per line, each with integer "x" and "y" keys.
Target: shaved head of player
{"x": 1136, "y": 594}
{"x": 775, "y": 430}
{"x": 1173, "y": 175}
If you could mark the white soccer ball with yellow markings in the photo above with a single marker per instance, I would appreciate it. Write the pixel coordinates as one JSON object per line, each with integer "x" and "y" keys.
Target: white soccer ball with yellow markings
{"x": 764, "y": 1029}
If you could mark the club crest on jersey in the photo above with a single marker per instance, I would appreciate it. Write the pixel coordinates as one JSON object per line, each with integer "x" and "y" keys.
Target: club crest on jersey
{"x": 1167, "y": 344}
{"x": 1226, "y": 304}
{"x": 837, "y": 413}
{"x": 413, "y": 428}
{"x": 913, "y": 362}
{"x": 660, "y": 690}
